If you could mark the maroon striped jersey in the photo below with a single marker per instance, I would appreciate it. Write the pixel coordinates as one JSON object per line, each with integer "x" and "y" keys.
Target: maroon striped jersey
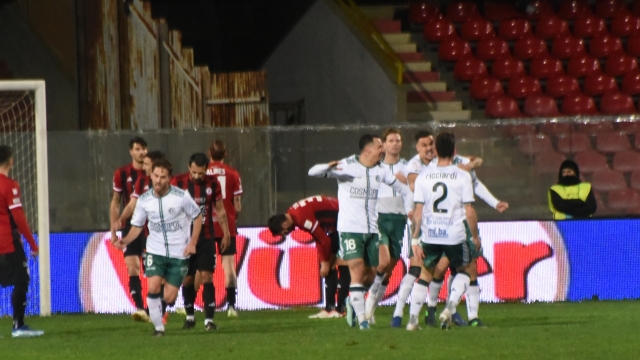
{"x": 205, "y": 193}
{"x": 142, "y": 185}
{"x": 124, "y": 180}
{"x": 317, "y": 215}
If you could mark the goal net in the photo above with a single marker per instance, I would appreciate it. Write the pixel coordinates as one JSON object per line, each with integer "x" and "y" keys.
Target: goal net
{"x": 23, "y": 127}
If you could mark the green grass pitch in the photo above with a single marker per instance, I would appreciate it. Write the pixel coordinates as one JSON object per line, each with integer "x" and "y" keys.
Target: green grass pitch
{"x": 588, "y": 330}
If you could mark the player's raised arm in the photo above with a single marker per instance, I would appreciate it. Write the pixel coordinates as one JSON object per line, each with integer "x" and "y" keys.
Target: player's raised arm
{"x": 324, "y": 170}
{"x": 474, "y": 163}
{"x": 472, "y": 217}
{"x": 391, "y": 180}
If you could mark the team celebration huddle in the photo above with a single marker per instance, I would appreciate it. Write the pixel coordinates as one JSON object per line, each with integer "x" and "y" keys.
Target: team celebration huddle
{"x": 361, "y": 232}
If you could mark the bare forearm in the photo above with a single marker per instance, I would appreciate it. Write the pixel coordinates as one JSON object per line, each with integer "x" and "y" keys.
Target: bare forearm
{"x": 114, "y": 210}
{"x": 412, "y": 181}
{"x": 128, "y": 211}
{"x": 132, "y": 235}
{"x": 197, "y": 226}
{"x": 237, "y": 204}
{"x": 472, "y": 221}
{"x": 417, "y": 219}
{"x": 222, "y": 220}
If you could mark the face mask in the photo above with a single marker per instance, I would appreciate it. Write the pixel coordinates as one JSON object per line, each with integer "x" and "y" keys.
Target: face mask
{"x": 569, "y": 180}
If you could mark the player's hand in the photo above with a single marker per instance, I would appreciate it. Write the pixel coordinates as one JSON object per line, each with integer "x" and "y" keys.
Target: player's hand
{"x": 410, "y": 216}
{"x": 417, "y": 251}
{"x": 403, "y": 179}
{"x": 119, "y": 244}
{"x": 324, "y": 269}
{"x": 224, "y": 244}
{"x": 334, "y": 163}
{"x": 117, "y": 225}
{"x": 502, "y": 206}
{"x": 189, "y": 250}
{"x": 477, "y": 243}
{"x": 114, "y": 237}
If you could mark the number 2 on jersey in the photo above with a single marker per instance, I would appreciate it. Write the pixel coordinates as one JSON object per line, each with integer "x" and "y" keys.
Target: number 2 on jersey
{"x": 441, "y": 198}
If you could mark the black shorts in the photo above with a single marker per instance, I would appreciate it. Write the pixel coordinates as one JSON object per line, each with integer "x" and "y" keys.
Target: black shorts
{"x": 335, "y": 242}
{"x": 13, "y": 266}
{"x": 204, "y": 259}
{"x": 231, "y": 249}
{"x": 137, "y": 246}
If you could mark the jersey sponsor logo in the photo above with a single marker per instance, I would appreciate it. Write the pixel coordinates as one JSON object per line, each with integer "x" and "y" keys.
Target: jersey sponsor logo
{"x": 442, "y": 175}
{"x": 200, "y": 200}
{"x": 359, "y": 192}
{"x": 172, "y": 211}
{"x": 437, "y": 233}
{"x": 165, "y": 227}
{"x": 378, "y": 178}
{"x": 208, "y": 191}
{"x": 14, "y": 191}
{"x": 129, "y": 179}
{"x": 16, "y": 201}
{"x": 439, "y": 220}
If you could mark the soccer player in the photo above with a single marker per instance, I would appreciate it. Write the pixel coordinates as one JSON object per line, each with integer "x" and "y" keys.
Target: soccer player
{"x": 231, "y": 189}
{"x": 13, "y": 261}
{"x": 205, "y": 191}
{"x": 444, "y": 207}
{"x": 318, "y": 215}
{"x": 169, "y": 212}
{"x": 359, "y": 178}
{"x": 124, "y": 180}
{"x": 392, "y": 221}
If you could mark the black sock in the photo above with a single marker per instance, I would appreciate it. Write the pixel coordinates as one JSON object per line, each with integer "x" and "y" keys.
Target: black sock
{"x": 189, "y": 296}
{"x": 330, "y": 287}
{"x": 343, "y": 286}
{"x": 209, "y": 295}
{"x": 19, "y": 303}
{"x": 231, "y": 296}
{"x": 164, "y": 303}
{"x": 135, "y": 289}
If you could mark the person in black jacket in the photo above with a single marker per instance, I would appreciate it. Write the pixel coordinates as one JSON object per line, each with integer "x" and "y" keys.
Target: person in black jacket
{"x": 570, "y": 198}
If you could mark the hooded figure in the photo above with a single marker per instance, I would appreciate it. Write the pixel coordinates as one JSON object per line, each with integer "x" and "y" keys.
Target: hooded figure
{"x": 570, "y": 198}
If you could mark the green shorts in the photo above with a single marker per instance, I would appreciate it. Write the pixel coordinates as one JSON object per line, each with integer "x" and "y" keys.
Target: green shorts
{"x": 469, "y": 240}
{"x": 171, "y": 270}
{"x": 359, "y": 246}
{"x": 459, "y": 255}
{"x": 391, "y": 228}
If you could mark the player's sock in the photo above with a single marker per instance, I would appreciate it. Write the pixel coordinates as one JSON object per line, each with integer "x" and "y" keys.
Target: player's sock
{"x": 189, "y": 298}
{"x": 343, "y": 286}
{"x": 459, "y": 286}
{"x": 135, "y": 289}
{"x": 19, "y": 303}
{"x": 164, "y": 304}
{"x": 231, "y": 297}
{"x": 418, "y": 295}
{"x": 405, "y": 289}
{"x": 356, "y": 297}
{"x": 330, "y": 287}
{"x": 473, "y": 300}
{"x": 377, "y": 281}
{"x": 453, "y": 272}
{"x": 382, "y": 290}
{"x": 434, "y": 291}
{"x": 209, "y": 295}
{"x": 154, "y": 303}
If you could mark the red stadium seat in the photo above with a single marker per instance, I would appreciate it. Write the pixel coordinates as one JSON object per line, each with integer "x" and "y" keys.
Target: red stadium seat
{"x": 612, "y": 142}
{"x": 423, "y": 11}
{"x": 438, "y": 30}
{"x": 579, "y": 104}
{"x": 596, "y": 85}
{"x": 476, "y": 29}
{"x": 461, "y": 11}
{"x": 562, "y": 85}
{"x": 617, "y": 104}
{"x": 529, "y": 47}
{"x": 556, "y": 128}
{"x": 611, "y": 8}
{"x": 635, "y": 180}
{"x": 633, "y": 46}
{"x": 544, "y": 67}
{"x": 498, "y": 11}
{"x": 540, "y": 9}
{"x": 623, "y": 199}
{"x": 453, "y": 49}
{"x": 548, "y": 162}
{"x": 532, "y": 145}
{"x": 521, "y": 87}
{"x": 469, "y": 68}
{"x": 492, "y": 49}
{"x": 629, "y": 127}
{"x": 573, "y": 9}
{"x": 608, "y": 180}
{"x": 550, "y": 27}
{"x": 620, "y": 65}
{"x": 514, "y": 29}
{"x": 596, "y": 128}
{"x": 626, "y": 161}
{"x": 507, "y": 68}
{"x": 625, "y": 25}
{"x": 603, "y": 46}
{"x": 520, "y": 130}
{"x": 541, "y": 106}
{"x": 635, "y": 7}
{"x": 566, "y": 47}
{"x": 502, "y": 107}
{"x": 583, "y": 66}
{"x": 574, "y": 143}
{"x": 589, "y": 26}
{"x": 485, "y": 88}
{"x": 591, "y": 161}
{"x": 631, "y": 83}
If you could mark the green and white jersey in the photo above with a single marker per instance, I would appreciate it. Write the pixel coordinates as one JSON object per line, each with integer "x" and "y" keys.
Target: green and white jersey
{"x": 169, "y": 220}
{"x": 390, "y": 201}
{"x": 358, "y": 188}
{"x": 443, "y": 191}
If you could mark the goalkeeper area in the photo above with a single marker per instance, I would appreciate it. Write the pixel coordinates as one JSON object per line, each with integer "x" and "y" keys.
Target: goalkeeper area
{"x": 587, "y": 330}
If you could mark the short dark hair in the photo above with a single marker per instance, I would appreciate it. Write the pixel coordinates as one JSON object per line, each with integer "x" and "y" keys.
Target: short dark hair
{"x": 445, "y": 145}
{"x": 422, "y": 134}
{"x": 6, "y": 153}
{"x": 162, "y": 163}
{"x": 366, "y": 139}
{"x": 200, "y": 159}
{"x": 137, "y": 140}
{"x": 217, "y": 150}
{"x": 390, "y": 131}
{"x": 275, "y": 224}
{"x": 155, "y": 155}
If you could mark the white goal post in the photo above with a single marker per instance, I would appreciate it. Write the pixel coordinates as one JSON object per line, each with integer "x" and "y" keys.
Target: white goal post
{"x": 36, "y": 90}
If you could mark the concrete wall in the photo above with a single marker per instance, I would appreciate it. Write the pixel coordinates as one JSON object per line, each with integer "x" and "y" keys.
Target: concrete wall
{"x": 322, "y": 61}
